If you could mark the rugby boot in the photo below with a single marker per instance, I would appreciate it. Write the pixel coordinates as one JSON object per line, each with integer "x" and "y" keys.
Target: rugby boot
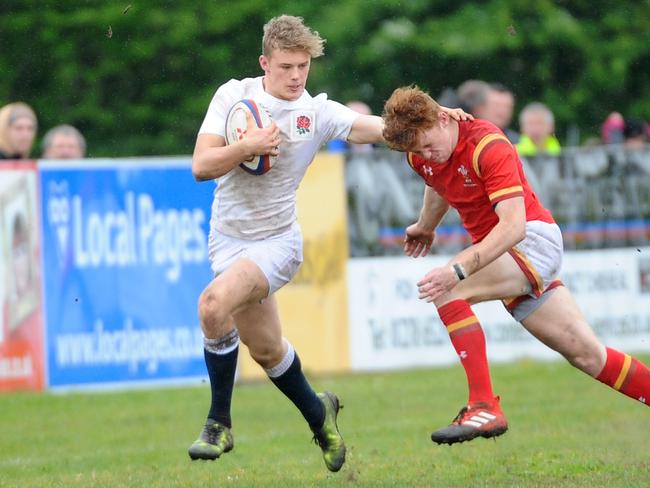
{"x": 214, "y": 440}
{"x": 478, "y": 419}
{"x": 328, "y": 437}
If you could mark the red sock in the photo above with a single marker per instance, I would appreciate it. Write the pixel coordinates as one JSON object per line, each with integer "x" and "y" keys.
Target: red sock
{"x": 627, "y": 375}
{"x": 468, "y": 339}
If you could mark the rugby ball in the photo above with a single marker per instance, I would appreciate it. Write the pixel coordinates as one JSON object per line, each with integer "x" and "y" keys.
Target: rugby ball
{"x": 236, "y": 130}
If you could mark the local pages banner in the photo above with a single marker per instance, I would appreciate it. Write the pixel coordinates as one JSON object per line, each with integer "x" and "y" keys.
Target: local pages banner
{"x": 391, "y": 328}
{"x": 125, "y": 259}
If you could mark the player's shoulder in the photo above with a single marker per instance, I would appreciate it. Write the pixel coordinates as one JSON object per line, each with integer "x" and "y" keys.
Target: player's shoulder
{"x": 477, "y": 129}
{"x": 323, "y": 102}
{"x": 329, "y": 109}
{"x": 414, "y": 160}
{"x": 238, "y": 88}
{"x": 479, "y": 132}
{"x": 318, "y": 102}
{"x": 485, "y": 141}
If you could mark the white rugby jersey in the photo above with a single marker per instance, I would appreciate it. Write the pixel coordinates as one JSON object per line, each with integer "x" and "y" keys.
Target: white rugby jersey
{"x": 250, "y": 206}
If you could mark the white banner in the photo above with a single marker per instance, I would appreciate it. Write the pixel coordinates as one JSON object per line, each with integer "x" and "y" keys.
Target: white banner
{"x": 390, "y": 328}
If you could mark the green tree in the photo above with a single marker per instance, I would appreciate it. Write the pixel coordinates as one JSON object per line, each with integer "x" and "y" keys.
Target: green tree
{"x": 137, "y": 78}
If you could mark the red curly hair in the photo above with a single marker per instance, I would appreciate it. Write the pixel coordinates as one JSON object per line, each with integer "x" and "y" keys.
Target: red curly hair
{"x": 407, "y": 112}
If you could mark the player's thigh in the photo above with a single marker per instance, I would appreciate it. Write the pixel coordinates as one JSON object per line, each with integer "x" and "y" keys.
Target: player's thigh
{"x": 501, "y": 278}
{"x": 259, "y": 328}
{"x": 560, "y": 324}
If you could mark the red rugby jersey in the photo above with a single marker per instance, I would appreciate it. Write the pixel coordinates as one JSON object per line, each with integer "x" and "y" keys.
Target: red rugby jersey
{"x": 483, "y": 170}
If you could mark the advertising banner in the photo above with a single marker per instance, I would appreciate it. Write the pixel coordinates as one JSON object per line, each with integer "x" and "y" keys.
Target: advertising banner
{"x": 391, "y": 328}
{"x": 313, "y": 306}
{"x": 124, "y": 253}
{"x": 21, "y": 322}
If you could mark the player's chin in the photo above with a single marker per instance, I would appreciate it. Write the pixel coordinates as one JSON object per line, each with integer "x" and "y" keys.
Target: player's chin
{"x": 294, "y": 93}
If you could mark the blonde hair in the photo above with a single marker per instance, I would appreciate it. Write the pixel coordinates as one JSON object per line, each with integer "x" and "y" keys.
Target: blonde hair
{"x": 8, "y": 115}
{"x": 289, "y": 33}
{"x": 407, "y": 112}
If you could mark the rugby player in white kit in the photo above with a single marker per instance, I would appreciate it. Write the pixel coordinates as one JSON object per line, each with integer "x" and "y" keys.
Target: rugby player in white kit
{"x": 255, "y": 244}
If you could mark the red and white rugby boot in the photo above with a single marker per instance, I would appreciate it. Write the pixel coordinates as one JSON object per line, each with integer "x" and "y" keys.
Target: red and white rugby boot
{"x": 484, "y": 419}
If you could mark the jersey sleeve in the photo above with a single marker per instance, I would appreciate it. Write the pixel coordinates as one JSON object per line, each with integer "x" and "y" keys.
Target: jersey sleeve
{"x": 497, "y": 164}
{"x": 215, "y": 118}
{"x": 338, "y": 120}
{"x": 415, "y": 162}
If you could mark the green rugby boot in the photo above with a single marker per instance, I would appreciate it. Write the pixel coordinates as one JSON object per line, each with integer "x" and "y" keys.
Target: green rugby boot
{"x": 214, "y": 440}
{"x": 328, "y": 437}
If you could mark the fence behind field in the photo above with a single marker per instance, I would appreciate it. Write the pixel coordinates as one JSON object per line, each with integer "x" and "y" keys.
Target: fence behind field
{"x": 600, "y": 196}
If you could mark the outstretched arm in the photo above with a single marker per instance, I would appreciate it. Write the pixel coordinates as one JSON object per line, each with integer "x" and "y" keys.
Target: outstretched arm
{"x": 367, "y": 129}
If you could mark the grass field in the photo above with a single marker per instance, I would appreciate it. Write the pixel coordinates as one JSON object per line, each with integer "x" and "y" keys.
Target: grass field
{"x": 565, "y": 430}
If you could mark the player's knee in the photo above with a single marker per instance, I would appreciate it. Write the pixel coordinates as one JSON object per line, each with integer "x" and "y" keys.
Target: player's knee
{"x": 588, "y": 360}
{"x": 582, "y": 348}
{"x": 267, "y": 355}
{"x": 212, "y": 312}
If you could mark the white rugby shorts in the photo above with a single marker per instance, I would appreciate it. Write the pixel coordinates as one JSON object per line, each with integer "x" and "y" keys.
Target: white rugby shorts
{"x": 279, "y": 257}
{"x": 539, "y": 256}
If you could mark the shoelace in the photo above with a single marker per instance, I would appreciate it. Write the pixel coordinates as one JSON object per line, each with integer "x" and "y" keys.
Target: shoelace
{"x": 460, "y": 415}
{"x": 214, "y": 431}
{"x": 319, "y": 440}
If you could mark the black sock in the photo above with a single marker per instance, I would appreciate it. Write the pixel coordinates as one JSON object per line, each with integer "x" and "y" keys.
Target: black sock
{"x": 295, "y": 386}
{"x": 221, "y": 370}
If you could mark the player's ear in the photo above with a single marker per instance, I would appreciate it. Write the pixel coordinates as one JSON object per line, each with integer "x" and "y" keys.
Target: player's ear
{"x": 443, "y": 119}
{"x": 264, "y": 63}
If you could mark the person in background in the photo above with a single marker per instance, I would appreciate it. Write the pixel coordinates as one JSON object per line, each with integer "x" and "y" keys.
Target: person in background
{"x": 449, "y": 97}
{"x": 612, "y": 129}
{"x": 635, "y": 133}
{"x": 18, "y": 126}
{"x": 494, "y": 103}
{"x": 64, "y": 142}
{"x": 472, "y": 95}
{"x": 537, "y": 126}
{"x": 501, "y": 105}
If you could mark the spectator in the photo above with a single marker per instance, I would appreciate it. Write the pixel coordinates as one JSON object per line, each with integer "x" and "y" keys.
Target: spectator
{"x": 635, "y": 133}
{"x": 472, "y": 96}
{"x": 494, "y": 103}
{"x": 18, "y": 125}
{"x": 500, "y": 107}
{"x": 64, "y": 142}
{"x": 448, "y": 98}
{"x": 612, "y": 129}
{"x": 537, "y": 126}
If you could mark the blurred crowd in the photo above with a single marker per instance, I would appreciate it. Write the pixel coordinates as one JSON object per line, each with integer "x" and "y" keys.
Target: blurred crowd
{"x": 490, "y": 101}
{"x": 496, "y": 103}
{"x": 19, "y": 129}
